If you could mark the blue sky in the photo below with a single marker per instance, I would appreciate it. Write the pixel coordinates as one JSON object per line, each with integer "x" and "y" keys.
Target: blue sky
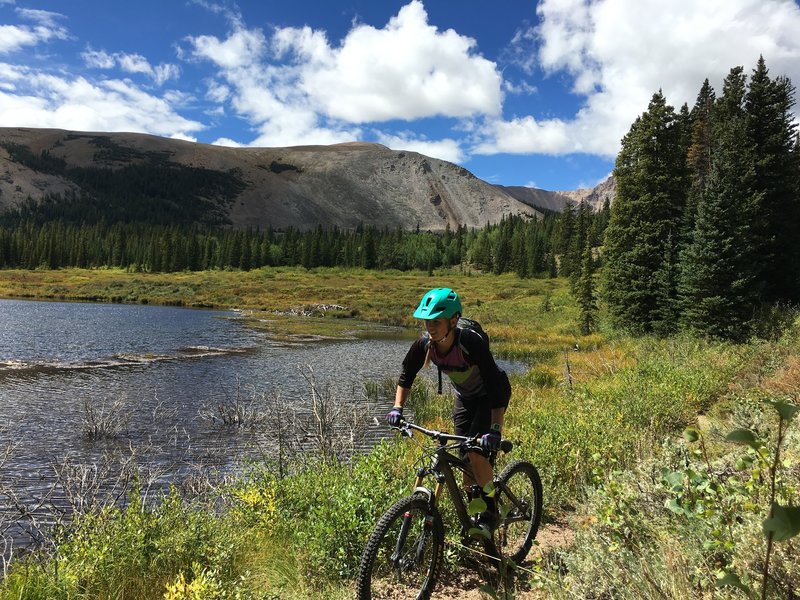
{"x": 518, "y": 92}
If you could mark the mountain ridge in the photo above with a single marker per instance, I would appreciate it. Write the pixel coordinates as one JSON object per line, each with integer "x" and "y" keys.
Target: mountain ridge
{"x": 343, "y": 185}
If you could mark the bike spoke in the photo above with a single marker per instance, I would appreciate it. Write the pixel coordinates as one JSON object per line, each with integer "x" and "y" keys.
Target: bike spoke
{"x": 519, "y": 501}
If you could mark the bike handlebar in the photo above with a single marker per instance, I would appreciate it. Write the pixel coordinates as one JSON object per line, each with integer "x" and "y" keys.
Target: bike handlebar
{"x": 444, "y": 437}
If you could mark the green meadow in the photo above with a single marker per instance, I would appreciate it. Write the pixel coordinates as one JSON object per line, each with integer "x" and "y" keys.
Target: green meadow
{"x": 629, "y": 435}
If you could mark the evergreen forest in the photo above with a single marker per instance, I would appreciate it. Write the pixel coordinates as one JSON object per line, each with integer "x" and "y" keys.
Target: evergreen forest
{"x": 705, "y": 226}
{"x": 526, "y": 247}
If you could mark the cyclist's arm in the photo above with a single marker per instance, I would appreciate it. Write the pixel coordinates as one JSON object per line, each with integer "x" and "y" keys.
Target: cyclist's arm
{"x": 498, "y": 415}
{"x": 412, "y": 363}
{"x": 400, "y": 396}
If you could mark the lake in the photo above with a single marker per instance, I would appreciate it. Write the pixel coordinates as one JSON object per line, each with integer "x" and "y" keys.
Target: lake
{"x": 159, "y": 376}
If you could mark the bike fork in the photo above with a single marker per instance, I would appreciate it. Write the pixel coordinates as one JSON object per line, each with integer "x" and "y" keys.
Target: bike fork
{"x": 396, "y": 557}
{"x": 401, "y": 539}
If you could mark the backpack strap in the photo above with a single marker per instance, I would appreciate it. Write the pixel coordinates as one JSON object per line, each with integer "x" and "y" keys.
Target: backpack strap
{"x": 428, "y": 350}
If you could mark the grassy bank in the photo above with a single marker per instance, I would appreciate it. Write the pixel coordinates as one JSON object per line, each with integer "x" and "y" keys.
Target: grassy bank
{"x": 601, "y": 416}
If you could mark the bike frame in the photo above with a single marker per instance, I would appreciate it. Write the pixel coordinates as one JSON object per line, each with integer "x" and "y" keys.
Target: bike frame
{"x": 443, "y": 466}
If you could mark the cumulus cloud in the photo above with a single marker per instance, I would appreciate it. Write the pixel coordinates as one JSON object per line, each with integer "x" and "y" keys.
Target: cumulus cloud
{"x": 617, "y": 53}
{"x": 242, "y": 48}
{"x": 217, "y": 92}
{"x": 447, "y": 149}
{"x": 44, "y": 100}
{"x": 407, "y": 70}
{"x": 223, "y": 141}
{"x": 130, "y": 63}
{"x": 98, "y": 59}
{"x": 297, "y": 87}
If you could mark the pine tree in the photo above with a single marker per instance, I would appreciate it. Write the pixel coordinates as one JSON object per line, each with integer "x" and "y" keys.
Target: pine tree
{"x": 519, "y": 251}
{"x": 563, "y": 241}
{"x": 772, "y": 131}
{"x": 501, "y": 259}
{"x": 573, "y": 256}
{"x": 481, "y": 251}
{"x": 369, "y": 250}
{"x": 720, "y": 278}
{"x": 651, "y": 180}
{"x": 585, "y": 294}
{"x": 699, "y": 154}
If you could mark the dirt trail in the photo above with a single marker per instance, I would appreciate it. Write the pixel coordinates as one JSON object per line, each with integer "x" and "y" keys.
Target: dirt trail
{"x": 466, "y": 585}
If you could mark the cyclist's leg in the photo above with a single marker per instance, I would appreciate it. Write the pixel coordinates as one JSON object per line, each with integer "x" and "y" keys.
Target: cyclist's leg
{"x": 481, "y": 468}
{"x": 462, "y": 421}
{"x": 471, "y": 420}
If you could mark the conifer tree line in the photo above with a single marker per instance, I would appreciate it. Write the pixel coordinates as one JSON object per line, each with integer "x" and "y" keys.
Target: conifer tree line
{"x": 705, "y": 228}
{"x": 527, "y": 247}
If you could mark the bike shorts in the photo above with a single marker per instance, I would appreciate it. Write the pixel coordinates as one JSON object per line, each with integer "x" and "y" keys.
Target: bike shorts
{"x": 474, "y": 418}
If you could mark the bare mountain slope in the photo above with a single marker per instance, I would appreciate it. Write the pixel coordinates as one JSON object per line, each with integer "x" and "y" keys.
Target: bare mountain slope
{"x": 342, "y": 185}
{"x": 556, "y": 201}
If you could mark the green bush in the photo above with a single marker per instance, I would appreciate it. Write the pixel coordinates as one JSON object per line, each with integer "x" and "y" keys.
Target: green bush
{"x": 327, "y": 510}
{"x": 131, "y": 552}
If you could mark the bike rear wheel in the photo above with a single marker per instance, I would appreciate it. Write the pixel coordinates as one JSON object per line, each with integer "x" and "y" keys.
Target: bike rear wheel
{"x": 519, "y": 501}
{"x": 403, "y": 557}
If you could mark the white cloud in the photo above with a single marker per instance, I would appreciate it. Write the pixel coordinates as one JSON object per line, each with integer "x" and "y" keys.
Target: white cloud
{"x": 16, "y": 37}
{"x": 447, "y": 149}
{"x": 44, "y": 18}
{"x": 223, "y": 141}
{"x": 134, "y": 63}
{"x": 619, "y": 52}
{"x": 297, "y": 88}
{"x": 522, "y": 87}
{"x": 407, "y": 70}
{"x": 164, "y": 72}
{"x": 130, "y": 63}
{"x": 13, "y": 37}
{"x": 45, "y": 100}
{"x": 217, "y": 92}
{"x": 525, "y": 136}
{"x": 242, "y": 48}
{"x": 98, "y": 59}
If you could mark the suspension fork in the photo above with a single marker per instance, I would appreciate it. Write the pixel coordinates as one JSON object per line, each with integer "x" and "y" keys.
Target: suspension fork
{"x": 419, "y": 488}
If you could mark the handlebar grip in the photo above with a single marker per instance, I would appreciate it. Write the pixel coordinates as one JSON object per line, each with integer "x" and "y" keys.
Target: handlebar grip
{"x": 506, "y": 445}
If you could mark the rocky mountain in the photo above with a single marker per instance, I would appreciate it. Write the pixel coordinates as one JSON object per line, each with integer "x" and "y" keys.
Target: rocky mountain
{"x": 556, "y": 201}
{"x": 141, "y": 177}
{"x": 596, "y": 197}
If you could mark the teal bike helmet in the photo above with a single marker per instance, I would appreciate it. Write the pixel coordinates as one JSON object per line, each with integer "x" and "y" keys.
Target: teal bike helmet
{"x": 439, "y": 302}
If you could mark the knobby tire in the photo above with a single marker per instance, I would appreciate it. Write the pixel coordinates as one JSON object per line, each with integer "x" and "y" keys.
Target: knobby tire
{"x": 418, "y": 548}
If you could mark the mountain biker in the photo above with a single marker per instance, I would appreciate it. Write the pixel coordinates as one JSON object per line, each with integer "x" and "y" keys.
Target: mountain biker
{"x": 481, "y": 398}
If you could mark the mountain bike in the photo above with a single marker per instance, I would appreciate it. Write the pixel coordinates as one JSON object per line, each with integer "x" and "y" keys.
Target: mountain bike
{"x": 404, "y": 554}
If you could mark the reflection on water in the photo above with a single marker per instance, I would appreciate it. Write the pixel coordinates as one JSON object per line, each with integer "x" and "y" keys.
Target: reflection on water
{"x": 167, "y": 365}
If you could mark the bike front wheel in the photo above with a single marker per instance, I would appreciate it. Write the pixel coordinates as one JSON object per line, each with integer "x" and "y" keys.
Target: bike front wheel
{"x": 403, "y": 557}
{"x": 519, "y": 502}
